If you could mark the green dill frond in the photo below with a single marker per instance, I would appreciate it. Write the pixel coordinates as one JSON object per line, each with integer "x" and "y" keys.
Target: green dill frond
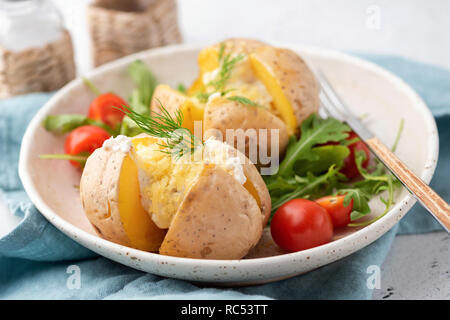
{"x": 178, "y": 140}
{"x": 243, "y": 100}
{"x": 221, "y": 51}
{"x": 203, "y": 97}
{"x": 226, "y": 63}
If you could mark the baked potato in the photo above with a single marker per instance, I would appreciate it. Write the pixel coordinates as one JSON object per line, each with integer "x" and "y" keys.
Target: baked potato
{"x": 136, "y": 195}
{"x": 222, "y": 114}
{"x": 290, "y": 83}
{"x": 172, "y": 100}
{"x": 109, "y": 191}
{"x": 279, "y": 88}
{"x": 208, "y": 58}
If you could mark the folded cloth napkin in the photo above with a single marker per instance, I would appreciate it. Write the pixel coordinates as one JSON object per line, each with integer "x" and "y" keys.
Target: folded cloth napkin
{"x": 37, "y": 261}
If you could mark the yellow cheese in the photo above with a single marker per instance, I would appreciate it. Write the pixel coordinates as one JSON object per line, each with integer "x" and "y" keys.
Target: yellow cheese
{"x": 166, "y": 182}
{"x": 140, "y": 229}
{"x": 280, "y": 102}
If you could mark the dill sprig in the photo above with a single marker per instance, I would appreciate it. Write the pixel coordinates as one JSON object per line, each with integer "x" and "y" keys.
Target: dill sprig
{"x": 244, "y": 100}
{"x": 203, "y": 96}
{"x": 178, "y": 140}
{"x": 226, "y": 63}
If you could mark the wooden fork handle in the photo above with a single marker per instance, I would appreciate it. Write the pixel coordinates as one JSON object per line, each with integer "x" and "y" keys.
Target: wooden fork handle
{"x": 427, "y": 196}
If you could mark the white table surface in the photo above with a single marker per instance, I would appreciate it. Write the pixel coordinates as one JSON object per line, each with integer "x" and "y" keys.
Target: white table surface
{"x": 417, "y": 266}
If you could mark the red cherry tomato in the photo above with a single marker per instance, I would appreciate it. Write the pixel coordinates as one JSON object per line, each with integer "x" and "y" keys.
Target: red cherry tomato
{"x": 84, "y": 139}
{"x": 103, "y": 108}
{"x": 339, "y": 213}
{"x": 349, "y": 169}
{"x": 301, "y": 224}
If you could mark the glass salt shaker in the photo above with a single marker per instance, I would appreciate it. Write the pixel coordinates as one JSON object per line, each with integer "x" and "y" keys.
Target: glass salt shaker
{"x": 32, "y": 35}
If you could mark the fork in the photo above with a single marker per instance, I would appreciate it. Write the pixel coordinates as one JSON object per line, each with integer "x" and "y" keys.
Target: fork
{"x": 333, "y": 105}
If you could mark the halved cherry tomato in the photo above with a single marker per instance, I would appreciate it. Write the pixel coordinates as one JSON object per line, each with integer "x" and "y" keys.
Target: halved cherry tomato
{"x": 84, "y": 139}
{"x": 350, "y": 170}
{"x": 103, "y": 108}
{"x": 339, "y": 213}
{"x": 301, "y": 224}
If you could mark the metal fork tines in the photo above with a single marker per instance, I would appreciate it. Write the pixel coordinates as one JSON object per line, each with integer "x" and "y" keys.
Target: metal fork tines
{"x": 335, "y": 107}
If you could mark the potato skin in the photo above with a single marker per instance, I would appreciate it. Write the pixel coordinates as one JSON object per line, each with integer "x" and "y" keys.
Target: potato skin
{"x": 107, "y": 173}
{"x": 99, "y": 191}
{"x": 296, "y": 79}
{"x": 223, "y": 114}
{"x": 168, "y": 97}
{"x": 218, "y": 219}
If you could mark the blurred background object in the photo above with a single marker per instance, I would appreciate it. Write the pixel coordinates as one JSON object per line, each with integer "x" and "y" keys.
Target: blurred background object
{"x": 118, "y": 28}
{"x": 414, "y": 29}
{"x": 36, "y": 51}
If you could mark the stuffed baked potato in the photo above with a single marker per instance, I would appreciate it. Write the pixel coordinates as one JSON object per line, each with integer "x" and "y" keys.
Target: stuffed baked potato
{"x": 137, "y": 195}
{"x": 246, "y": 84}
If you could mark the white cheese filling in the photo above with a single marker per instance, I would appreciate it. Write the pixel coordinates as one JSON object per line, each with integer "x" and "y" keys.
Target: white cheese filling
{"x": 120, "y": 143}
{"x": 217, "y": 152}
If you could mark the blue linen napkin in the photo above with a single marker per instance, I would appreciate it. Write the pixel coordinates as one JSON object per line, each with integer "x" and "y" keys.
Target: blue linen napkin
{"x": 36, "y": 260}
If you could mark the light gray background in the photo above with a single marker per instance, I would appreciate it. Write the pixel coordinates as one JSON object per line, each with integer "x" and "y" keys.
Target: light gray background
{"x": 411, "y": 28}
{"x": 417, "y": 266}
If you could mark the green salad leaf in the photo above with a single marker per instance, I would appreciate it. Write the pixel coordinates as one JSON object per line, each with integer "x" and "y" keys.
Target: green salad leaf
{"x": 308, "y": 187}
{"x": 145, "y": 80}
{"x": 81, "y": 158}
{"x": 326, "y": 157}
{"x": 64, "y": 123}
{"x": 311, "y": 167}
{"x": 314, "y": 131}
{"x": 181, "y": 88}
{"x": 141, "y": 97}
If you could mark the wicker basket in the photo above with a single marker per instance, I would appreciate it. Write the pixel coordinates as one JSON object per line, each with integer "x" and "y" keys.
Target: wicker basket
{"x": 119, "y": 28}
{"x": 44, "y": 68}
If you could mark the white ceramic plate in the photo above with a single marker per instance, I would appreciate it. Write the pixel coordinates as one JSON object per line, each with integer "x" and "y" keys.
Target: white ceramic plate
{"x": 367, "y": 88}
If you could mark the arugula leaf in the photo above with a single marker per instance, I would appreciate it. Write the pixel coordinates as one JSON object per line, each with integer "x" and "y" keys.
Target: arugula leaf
{"x": 313, "y": 187}
{"x": 313, "y": 131}
{"x": 65, "y": 123}
{"x": 278, "y": 186}
{"x": 374, "y": 183}
{"x": 326, "y": 156}
{"x": 307, "y": 157}
{"x": 360, "y": 201}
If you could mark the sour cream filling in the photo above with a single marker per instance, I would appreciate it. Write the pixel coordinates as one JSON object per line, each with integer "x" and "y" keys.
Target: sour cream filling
{"x": 120, "y": 143}
{"x": 210, "y": 76}
{"x": 217, "y": 152}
